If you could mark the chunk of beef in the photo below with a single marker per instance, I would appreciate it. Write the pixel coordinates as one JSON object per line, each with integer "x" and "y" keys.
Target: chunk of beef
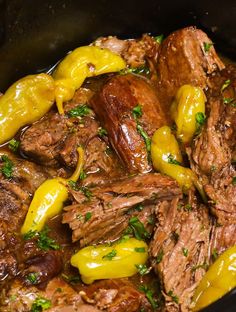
{"x": 211, "y": 155}
{"x": 114, "y": 106}
{"x": 106, "y": 215}
{"x": 62, "y": 298}
{"x": 135, "y": 52}
{"x": 15, "y": 196}
{"x": 55, "y": 137}
{"x": 118, "y": 295}
{"x": 44, "y": 267}
{"x": 179, "y": 250}
{"x": 183, "y": 59}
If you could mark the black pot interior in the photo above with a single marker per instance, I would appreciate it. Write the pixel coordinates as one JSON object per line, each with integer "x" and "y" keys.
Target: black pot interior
{"x": 34, "y": 35}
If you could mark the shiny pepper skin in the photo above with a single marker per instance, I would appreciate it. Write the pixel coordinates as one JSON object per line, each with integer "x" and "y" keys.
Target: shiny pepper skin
{"x": 26, "y": 101}
{"x": 81, "y": 63}
{"x": 218, "y": 280}
{"x": 116, "y": 261}
{"x": 166, "y": 158}
{"x": 49, "y": 198}
{"x": 188, "y": 102}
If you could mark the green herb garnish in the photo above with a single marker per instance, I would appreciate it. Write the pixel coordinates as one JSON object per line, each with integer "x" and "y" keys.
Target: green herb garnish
{"x": 73, "y": 185}
{"x": 72, "y": 279}
{"x": 234, "y": 180}
{"x": 102, "y": 132}
{"x": 79, "y": 111}
{"x": 173, "y": 296}
{"x": 86, "y": 191}
{"x": 140, "y": 249}
{"x": 82, "y": 175}
{"x": 225, "y": 85}
{"x": 200, "y": 118}
{"x": 7, "y": 168}
{"x": 40, "y": 304}
{"x": 207, "y": 46}
{"x": 88, "y": 216}
{"x": 204, "y": 266}
{"x": 145, "y": 136}
{"x": 141, "y": 70}
{"x": 149, "y": 295}
{"x": 188, "y": 207}
{"x": 137, "y": 111}
{"x": 159, "y": 256}
{"x": 138, "y": 228}
{"x": 110, "y": 255}
{"x": 159, "y": 38}
{"x": 185, "y": 251}
{"x": 13, "y": 145}
{"x": 44, "y": 242}
{"x": 171, "y": 160}
{"x": 142, "y": 269}
{"x": 32, "y": 278}
{"x": 215, "y": 254}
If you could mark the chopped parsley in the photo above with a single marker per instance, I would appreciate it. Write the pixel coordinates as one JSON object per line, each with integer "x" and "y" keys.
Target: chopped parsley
{"x": 13, "y": 145}
{"x": 234, "y": 181}
{"x": 159, "y": 256}
{"x": 140, "y": 249}
{"x": 173, "y": 296}
{"x": 213, "y": 168}
{"x": 188, "y": 207}
{"x": 73, "y": 185}
{"x": 141, "y": 70}
{"x": 40, "y": 304}
{"x": 225, "y": 85}
{"x": 171, "y": 160}
{"x": 200, "y": 118}
{"x": 138, "y": 229}
{"x": 44, "y": 242}
{"x": 204, "y": 266}
{"x": 215, "y": 254}
{"x": 149, "y": 295}
{"x": 88, "y": 216}
{"x": 145, "y": 136}
{"x": 7, "y": 168}
{"x": 72, "y": 279}
{"x": 82, "y": 175}
{"x": 32, "y": 278}
{"x": 185, "y": 251}
{"x": 79, "y": 111}
{"x": 137, "y": 111}
{"x": 159, "y": 38}
{"x": 110, "y": 255}
{"x": 142, "y": 269}
{"x": 230, "y": 101}
{"x": 86, "y": 191}
{"x": 102, "y": 132}
{"x": 207, "y": 46}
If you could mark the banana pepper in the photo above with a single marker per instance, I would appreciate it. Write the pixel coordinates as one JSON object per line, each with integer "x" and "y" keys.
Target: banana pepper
{"x": 167, "y": 158}
{"x": 24, "y": 102}
{"x": 218, "y": 280}
{"x": 116, "y": 261}
{"x": 81, "y": 63}
{"x": 49, "y": 198}
{"x": 189, "y": 102}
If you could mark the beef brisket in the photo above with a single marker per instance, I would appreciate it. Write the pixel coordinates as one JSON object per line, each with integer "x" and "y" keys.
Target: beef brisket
{"x": 114, "y": 106}
{"x": 184, "y": 59}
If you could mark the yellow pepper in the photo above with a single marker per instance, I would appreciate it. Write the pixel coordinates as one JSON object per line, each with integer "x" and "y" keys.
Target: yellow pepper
{"x": 218, "y": 280}
{"x": 24, "y": 102}
{"x": 116, "y": 261}
{"x": 81, "y": 63}
{"x": 187, "y": 109}
{"x": 49, "y": 198}
{"x": 166, "y": 158}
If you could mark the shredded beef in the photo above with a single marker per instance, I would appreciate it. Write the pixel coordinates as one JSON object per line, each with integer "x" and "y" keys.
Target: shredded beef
{"x": 179, "y": 250}
{"x": 110, "y": 206}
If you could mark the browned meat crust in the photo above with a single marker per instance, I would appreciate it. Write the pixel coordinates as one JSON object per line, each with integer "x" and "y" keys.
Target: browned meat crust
{"x": 183, "y": 60}
{"x": 113, "y": 106}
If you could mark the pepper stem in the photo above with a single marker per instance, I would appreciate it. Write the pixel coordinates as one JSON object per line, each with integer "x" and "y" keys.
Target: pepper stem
{"x": 79, "y": 166}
